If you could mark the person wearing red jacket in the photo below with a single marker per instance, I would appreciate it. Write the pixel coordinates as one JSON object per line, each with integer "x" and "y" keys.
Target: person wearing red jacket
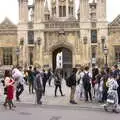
{"x": 9, "y": 83}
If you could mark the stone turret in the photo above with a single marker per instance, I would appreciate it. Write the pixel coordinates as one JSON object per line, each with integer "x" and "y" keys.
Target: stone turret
{"x": 23, "y": 11}
{"x": 39, "y": 11}
{"x": 78, "y": 12}
{"x": 46, "y": 11}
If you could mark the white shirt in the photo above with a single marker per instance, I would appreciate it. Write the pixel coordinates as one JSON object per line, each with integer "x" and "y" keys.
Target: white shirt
{"x": 18, "y": 76}
{"x": 89, "y": 73}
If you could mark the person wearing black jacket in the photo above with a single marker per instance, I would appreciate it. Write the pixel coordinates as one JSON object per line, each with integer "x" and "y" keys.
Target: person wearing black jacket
{"x": 58, "y": 82}
{"x": 38, "y": 86}
{"x": 44, "y": 78}
{"x": 72, "y": 79}
{"x": 116, "y": 74}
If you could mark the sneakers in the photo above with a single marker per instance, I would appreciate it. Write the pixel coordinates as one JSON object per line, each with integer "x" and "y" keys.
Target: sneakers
{"x": 73, "y": 102}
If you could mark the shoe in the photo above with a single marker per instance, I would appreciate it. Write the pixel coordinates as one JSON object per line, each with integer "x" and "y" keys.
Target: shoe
{"x": 18, "y": 100}
{"x": 5, "y": 105}
{"x": 40, "y": 103}
{"x": 73, "y": 102}
{"x": 13, "y": 106}
{"x": 62, "y": 95}
{"x": 86, "y": 100}
{"x": 55, "y": 96}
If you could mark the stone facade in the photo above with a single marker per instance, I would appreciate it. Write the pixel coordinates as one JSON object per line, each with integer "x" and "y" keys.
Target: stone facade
{"x": 114, "y": 41}
{"x": 8, "y": 42}
{"x": 46, "y": 30}
{"x": 58, "y": 27}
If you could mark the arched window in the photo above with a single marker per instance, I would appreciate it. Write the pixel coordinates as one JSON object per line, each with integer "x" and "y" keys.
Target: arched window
{"x": 93, "y": 36}
{"x": 62, "y": 11}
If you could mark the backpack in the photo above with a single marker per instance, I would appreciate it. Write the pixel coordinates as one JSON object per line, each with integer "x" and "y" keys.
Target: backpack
{"x": 69, "y": 80}
{"x": 86, "y": 81}
{"x": 57, "y": 80}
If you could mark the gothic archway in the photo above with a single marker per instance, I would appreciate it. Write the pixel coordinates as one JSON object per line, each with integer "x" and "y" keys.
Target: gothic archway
{"x": 62, "y": 59}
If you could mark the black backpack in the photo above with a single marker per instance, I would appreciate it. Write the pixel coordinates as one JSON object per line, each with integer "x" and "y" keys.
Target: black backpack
{"x": 69, "y": 80}
{"x": 86, "y": 81}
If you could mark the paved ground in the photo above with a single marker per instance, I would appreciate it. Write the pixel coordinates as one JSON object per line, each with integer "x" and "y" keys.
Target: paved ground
{"x": 30, "y": 112}
{"x": 54, "y": 108}
{"x": 49, "y": 98}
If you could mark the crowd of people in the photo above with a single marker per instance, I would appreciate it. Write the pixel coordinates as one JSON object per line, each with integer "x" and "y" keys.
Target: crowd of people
{"x": 92, "y": 85}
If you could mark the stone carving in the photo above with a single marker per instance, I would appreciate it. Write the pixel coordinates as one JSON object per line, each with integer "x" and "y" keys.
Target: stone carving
{"x": 62, "y": 25}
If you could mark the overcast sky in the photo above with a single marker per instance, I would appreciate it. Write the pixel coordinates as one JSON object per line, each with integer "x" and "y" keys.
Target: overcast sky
{"x": 9, "y": 8}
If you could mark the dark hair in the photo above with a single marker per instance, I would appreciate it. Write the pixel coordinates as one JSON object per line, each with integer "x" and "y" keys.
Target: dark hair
{"x": 74, "y": 70}
{"x": 86, "y": 68}
{"x": 7, "y": 73}
{"x": 30, "y": 67}
{"x": 35, "y": 68}
{"x": 108, "y": 70}
{"x": 102, "y": 72}
{"x": 115, "y": 66}
{"x": 82, "y": 68}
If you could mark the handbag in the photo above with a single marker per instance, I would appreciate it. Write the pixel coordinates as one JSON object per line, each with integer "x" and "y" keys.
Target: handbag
{"x": 5, "y": 90}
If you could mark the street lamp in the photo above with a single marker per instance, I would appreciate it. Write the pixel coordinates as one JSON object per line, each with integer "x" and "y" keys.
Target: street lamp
{"x": 85, "y": 40}
{"x": 106, "y": 54}
{"x": 17, "y": 55}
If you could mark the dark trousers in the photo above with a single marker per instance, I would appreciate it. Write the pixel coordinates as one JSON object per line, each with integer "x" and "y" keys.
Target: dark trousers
{"x": 38, "y": 96}
{"x": 104, "y": 98}
{"x": 19, "y": 91}
{"x": 30, "y": 86}
{"x": 56, "y": 87}
{"x": 86, "y": 94}
{"x": 118, "y": 95}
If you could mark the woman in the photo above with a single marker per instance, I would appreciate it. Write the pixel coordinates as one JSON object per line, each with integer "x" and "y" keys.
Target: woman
{"x": 9, "y": 83}
{"x": 58, "y": 82}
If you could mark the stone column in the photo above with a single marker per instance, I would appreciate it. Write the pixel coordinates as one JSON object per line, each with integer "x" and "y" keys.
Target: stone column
{"x": 84, "y": 10}
{"x": 23, "y": 11}
{"x": 57, "y": 8}
{"x": 67, "y": 8}
{"x": 101, "y": 10}
{"x": 74, "y": 8}
{"x": 36, "y": 11}
{"x": 39, "y": 11}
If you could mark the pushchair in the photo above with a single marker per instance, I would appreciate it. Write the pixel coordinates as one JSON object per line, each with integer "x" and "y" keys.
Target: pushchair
{"x": 112, "y": 102}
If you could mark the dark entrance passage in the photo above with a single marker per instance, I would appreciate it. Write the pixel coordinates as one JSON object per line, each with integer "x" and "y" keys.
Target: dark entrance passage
{"x": 62, "y": 59}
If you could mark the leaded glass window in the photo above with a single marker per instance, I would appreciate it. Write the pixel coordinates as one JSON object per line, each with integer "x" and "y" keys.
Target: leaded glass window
{"x": 7, "y": 56}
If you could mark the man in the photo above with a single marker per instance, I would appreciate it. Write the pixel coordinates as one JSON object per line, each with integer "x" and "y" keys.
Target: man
{"x": 44, "y": 80}
{"x": 19, "y": 81}
{"x": 79, "y": 79}
{"x": 49, "y": 76}
{"x": 87, "y": 83}
{"x": 30, "y": 79}
{"x": 116, "y": 74}
{"x": 38, "y": 86}
{"x": 95, "y": 72}
{"x": 72, "y": 81}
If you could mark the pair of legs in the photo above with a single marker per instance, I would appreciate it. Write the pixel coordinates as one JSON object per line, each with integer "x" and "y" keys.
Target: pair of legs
{"x": 118, "y": 95}
{"x": 56, "y": 87}
{"x": 105, "y": 94}
{"x": 88, "y": 91}
{"x": 72, "y": 94}
{"x": 9, "y": 102}
{"x": 30, "y": 86}
{"x": 39, "y": 96}
{"x": 49, "y": 80}
{"x": 19, "y": 90}
{"x": 81, "y": 91}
